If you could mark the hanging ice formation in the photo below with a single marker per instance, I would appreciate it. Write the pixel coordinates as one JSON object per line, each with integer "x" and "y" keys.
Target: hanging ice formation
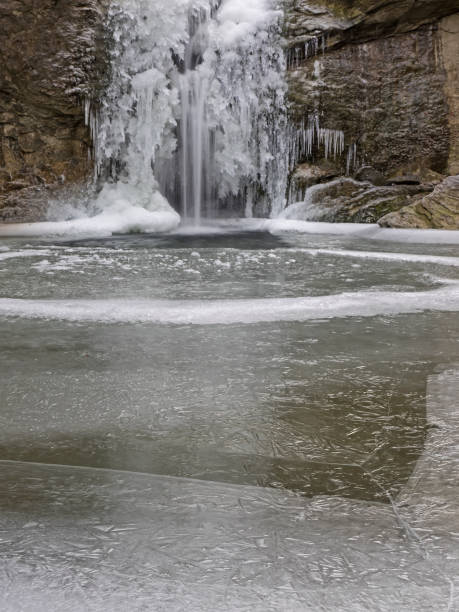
{"x": 309, "y": 134}
{"x": 310, "y": 48}
{"x": 194, "y": 114}
{"x": 351, "y": 158}
{"x": 305, "y": 140}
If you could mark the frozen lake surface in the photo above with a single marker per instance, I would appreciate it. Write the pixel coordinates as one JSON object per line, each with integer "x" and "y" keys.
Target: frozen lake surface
{"x": 232, "y": 420}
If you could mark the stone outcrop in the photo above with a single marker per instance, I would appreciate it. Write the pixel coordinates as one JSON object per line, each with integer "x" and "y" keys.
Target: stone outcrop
{"x": 381, "y": 77}
{"x": 351, "y": 21}
{"x": 439, "y": 209}
{"x": 350, "y": 201}
{"x": 51, "y": 60}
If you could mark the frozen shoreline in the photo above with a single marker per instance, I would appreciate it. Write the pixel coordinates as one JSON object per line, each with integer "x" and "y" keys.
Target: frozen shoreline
{"x": 142, "y": 221}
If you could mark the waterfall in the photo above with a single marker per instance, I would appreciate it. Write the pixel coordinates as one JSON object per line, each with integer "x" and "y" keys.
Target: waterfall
{"x": 194, "y": 115}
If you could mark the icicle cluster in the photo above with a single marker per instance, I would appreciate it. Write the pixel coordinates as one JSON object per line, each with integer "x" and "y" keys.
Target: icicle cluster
{"x": 310, "y": 48}
{"x": 309, "y": 135}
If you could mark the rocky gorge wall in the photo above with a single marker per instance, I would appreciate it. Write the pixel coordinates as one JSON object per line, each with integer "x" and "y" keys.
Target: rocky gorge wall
{"x": 373, "y": 95}
{"x": 51, "y": 60}
{"x": 381, "y": 79}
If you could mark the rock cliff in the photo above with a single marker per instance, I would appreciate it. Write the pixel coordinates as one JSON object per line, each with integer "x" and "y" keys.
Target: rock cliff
{"x": 51, "y": 61}
{"x": 378, "y": 79}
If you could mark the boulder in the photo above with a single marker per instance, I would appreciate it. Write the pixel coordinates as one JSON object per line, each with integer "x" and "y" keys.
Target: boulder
{"x": 438, "y": 210}
{"x": 345, "y": 200}
{"x": 306, "y": 175}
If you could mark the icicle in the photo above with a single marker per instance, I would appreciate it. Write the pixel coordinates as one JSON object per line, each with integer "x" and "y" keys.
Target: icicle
{"x": 90, "y": 119}
{"x": 351, "y": 160}
{"x": 307, "y": 136}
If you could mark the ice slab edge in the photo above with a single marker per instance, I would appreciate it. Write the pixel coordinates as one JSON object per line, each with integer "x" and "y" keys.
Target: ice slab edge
{"x": 225, "y": 312}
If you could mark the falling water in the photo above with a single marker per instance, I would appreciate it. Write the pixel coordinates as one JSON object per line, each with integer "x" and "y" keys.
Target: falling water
{"x": 194, "y": 115}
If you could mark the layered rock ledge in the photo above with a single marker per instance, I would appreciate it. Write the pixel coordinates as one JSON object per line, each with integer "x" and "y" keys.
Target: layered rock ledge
{"x": 439, "y": 209}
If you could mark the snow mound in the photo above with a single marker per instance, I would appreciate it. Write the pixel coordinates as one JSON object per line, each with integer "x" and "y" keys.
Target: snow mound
{"x": 120, "y": 209}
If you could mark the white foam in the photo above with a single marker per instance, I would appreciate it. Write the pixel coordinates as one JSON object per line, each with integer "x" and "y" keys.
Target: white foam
{"x": 224, "y": 312}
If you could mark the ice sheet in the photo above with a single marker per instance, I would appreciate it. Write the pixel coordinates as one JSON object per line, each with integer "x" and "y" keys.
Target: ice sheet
{"x": 225, "y": 312}
{"x": 139, "y": 220}
{"x": 85, "y": 539}
{"x": 383, "y": 256}
{"x": 24, "y": 253}
{"x": 363, "y": 230}
{"x": 368, "y": 231}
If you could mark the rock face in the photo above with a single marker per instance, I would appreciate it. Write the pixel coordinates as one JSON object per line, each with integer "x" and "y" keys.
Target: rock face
{"x": 380, "y": 79}
{"x": 449, "y": 33}
{"x": 439, "y": 209}
{"x": 352, "y": 21}
{"x": 51, "y": 60}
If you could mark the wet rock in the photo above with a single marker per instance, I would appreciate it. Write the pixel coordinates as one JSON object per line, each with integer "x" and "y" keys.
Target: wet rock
{"x": 379, "y": 201}
{"x": 322, "y": 202}
{"x": 306, "y": 175}
{"x": 386, "y": 97}
{"x": 438, "y": 210}
{"x": 26, "y": 204}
